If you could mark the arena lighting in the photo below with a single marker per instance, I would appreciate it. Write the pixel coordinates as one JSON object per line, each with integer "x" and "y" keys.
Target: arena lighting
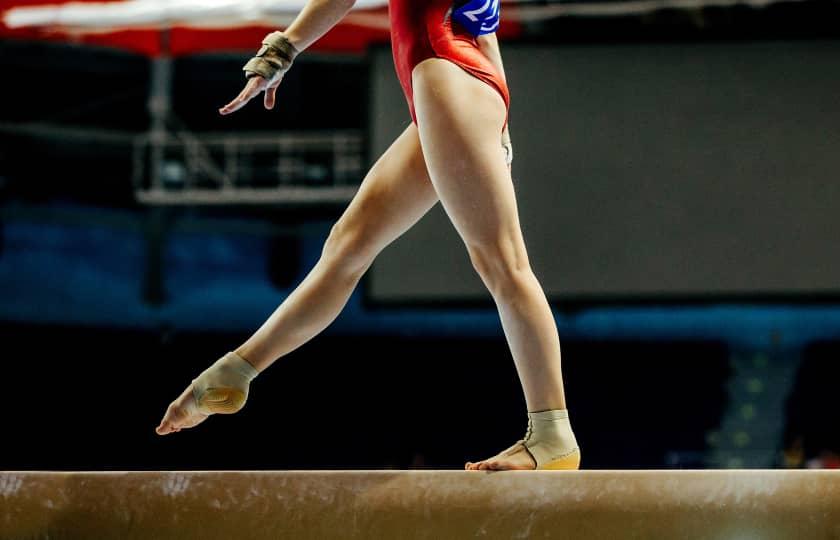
{"x": 97, "y": 16}
{"x": 173, "y": 173}
{"x": 152, "y": 13}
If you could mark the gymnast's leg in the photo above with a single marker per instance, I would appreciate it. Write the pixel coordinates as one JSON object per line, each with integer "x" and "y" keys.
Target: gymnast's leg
{"x": 460, "y": 119}
{"x": 395, "y": 193}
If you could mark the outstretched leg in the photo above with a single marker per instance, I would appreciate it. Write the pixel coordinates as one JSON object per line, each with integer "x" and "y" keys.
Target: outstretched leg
{"x": 460, "y": 122}
{"x": 395, "y": 193}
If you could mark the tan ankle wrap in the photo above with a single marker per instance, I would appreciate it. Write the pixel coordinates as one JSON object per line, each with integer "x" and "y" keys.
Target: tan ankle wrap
{"x": 549, "y": 436}
{"x": 223, "y": 387}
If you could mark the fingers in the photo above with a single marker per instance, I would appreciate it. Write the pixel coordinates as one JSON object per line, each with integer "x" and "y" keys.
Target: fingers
{"x": 254, "y": 86}
{"x": 270, "y": 97}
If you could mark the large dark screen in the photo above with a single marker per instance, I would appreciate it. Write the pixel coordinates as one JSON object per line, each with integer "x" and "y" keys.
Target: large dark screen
{"x": 651, "y": 170}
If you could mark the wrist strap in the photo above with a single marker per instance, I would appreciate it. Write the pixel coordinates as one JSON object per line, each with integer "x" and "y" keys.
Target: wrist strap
{"x": 274, "y": 58}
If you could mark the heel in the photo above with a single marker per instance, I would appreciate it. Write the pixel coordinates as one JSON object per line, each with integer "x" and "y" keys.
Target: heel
{"x": 569, "y": 462}
{"x": 222, "y": 400}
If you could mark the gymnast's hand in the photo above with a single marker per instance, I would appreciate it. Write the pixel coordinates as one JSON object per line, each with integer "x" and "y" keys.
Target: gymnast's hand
{"x": 252, "y": 89}
{"x": 265, "y": 71}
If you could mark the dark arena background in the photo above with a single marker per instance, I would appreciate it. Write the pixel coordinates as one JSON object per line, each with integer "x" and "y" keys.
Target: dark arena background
{"x": 676, "y": 169}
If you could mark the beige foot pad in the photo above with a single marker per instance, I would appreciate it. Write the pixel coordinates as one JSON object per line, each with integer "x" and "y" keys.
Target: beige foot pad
{"x": 274, "y": 58}
{"x": 550, "y": 440}
{"x": 223, "y": 387}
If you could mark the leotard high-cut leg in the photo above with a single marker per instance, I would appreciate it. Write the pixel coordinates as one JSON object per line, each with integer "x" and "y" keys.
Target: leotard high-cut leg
{"x": 422, "y": 29}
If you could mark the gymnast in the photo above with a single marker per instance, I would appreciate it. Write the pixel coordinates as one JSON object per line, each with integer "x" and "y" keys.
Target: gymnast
{"x": 457, "y": 151}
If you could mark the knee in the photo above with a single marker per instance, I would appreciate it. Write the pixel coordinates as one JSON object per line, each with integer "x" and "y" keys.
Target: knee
{"x": 502, "y": 265}
{"x": 348, "y": 250}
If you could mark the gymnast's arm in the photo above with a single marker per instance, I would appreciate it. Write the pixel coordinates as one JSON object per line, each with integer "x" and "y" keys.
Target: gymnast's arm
{"x": 313, "y": 21}
{"x": 489, "y": 45}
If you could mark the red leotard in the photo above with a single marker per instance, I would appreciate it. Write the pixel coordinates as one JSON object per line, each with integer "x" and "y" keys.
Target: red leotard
{"x": 422, "y": 29}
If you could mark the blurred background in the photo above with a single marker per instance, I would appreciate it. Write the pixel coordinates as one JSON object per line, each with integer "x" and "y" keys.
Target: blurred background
{"x": 676, "y": 167}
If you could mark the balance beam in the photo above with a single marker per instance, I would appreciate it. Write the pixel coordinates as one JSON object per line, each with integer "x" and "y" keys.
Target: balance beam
{"x": 579, "y": 505}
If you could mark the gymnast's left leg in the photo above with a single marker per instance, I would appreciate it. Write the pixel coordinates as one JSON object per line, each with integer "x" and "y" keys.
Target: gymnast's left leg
{"x": 460, "y": 120}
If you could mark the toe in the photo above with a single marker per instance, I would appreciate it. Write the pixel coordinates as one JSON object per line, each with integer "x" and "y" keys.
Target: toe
{"x": 165, "y": 423}
{"x": 171, "y": 420}
{"x": 164, "y": 428}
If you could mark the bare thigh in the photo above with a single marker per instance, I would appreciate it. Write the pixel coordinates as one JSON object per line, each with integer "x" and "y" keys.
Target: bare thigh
{"x": 460, "y": 122}
{"x": 394, "y": 195}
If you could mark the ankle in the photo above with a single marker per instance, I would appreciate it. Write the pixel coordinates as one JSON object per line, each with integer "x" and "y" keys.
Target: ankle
{"x": 549, "y": 436}
{"x": 223, "y": 387}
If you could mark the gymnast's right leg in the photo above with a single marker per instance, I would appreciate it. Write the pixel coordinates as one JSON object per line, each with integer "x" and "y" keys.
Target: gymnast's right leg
{"x": 394, "y": 195}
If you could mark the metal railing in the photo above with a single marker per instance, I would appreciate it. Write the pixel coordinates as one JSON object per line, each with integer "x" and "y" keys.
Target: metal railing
{"x": 181, "y": 167}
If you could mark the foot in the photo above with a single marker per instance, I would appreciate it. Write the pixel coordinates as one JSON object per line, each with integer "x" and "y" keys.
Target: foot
{"x": 515, "y": 458}
{"x": 181, "y": 414}
{"x": 220, "y": 389}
